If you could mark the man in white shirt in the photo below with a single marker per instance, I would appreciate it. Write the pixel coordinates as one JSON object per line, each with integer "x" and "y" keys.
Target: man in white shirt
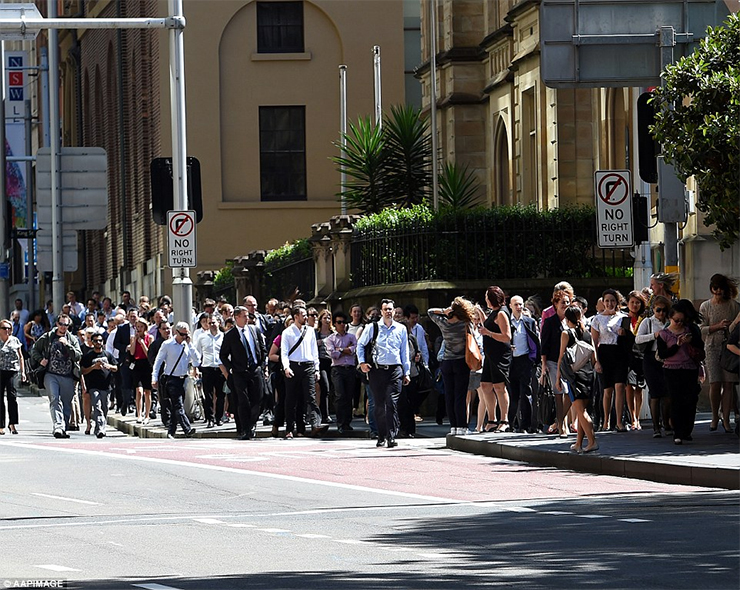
{"x": 175, "y": 355}
{"x": 209, "y": 348}
{"x": 299, "y": 355}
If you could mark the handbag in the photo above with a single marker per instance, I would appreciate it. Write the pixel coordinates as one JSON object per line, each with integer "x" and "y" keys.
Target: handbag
{"x": 425, "y": 379}
{"x": 473, "y": 357}
{"x": 728, "y": 360}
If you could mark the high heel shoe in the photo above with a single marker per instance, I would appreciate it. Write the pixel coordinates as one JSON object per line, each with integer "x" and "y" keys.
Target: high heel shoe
{"x": 503, "y": 426}
{"x": 712, "y": 426}
{"x": 12, "y": 429}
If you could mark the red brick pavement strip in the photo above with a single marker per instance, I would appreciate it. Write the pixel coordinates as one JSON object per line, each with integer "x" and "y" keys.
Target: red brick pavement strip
{"x": 409, "y": 469}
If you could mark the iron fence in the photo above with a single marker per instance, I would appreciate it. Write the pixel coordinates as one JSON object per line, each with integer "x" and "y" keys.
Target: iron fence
{"x": 283, "y": 281}
{"x": 469, "y": 249}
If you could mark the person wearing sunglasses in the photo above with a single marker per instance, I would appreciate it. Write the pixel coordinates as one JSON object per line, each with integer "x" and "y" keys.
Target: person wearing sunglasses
{"x": 59, "y": 352}
{"x": 173, "y": 359}
{"x": 97, "y": 367}
{"x": 11, "y": 361}
{"x": 647, "y": 334}
{"x": 341, "y": 346}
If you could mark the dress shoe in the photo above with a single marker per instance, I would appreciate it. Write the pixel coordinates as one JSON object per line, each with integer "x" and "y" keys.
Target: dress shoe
{"x": 347, "y": 427}
{"x": 245, "y": 436}
{"x": 209, "y": 424}
{"x": 380, "y": 443}
{"x": 172, "y": 436}
{"x": 65, "y": 435}
{"x": 190, "y": 433}
{"x": 100, "y": 434}
{"x": 392, "y": 443}
{"x": 219, "y": 423}
{"x": 58, "y": 433}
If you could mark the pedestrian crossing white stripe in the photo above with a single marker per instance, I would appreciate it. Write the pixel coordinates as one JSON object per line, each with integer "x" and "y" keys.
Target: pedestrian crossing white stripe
{"x": 209, "y": 520}
{"x": 518, "y": 509}
{"x": 154, "y": 587}
{"x": 313, "y": 536}
{"x": 591, "y": 516}
{"x": 241, "y": 525}
{"x": 65, "y": 499}
{"x": 274, "y": 530}
{"x": 58, "y": 568}
{"x": 557, "y": 513}
{"x": 634, "y": 520}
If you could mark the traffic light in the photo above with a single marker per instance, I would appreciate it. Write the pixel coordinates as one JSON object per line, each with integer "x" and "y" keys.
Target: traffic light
{"x": 672, "y": 205}
{"x": 640, "y": 218}
{"x": 163, "y": 189}
{"x": 648, "y": 147}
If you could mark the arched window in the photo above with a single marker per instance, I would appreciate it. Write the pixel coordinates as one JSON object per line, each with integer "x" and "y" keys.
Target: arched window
{"x": 501, "y": 165}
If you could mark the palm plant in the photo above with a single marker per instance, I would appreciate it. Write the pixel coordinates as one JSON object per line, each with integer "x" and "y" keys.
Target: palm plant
{"x": 458, "y": 187}
{"x": 409, "y": 147}
{"x": 365, "y": 164}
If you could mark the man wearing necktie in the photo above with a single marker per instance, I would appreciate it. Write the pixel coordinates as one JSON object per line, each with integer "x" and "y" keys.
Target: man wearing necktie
{"x": 242, "y": 355}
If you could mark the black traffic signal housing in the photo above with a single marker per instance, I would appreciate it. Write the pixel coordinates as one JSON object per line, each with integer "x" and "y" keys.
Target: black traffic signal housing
{"x": 163, "y": 189}
{"x": 648, "y": 148}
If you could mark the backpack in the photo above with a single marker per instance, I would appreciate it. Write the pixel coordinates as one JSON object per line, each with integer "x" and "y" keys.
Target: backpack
{"x": 579, "y": 354}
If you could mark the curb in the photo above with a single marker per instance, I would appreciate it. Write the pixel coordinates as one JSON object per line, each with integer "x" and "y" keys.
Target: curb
{"x": 713, "y": 477}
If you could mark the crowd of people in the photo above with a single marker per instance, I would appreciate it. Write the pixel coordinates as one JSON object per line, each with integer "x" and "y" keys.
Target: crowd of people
{"x": 502, "y": 364}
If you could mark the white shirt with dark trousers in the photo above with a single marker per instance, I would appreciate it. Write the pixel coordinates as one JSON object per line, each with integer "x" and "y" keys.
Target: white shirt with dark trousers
{"x": 300, "y": 389}
{"x": 176, "y": 357}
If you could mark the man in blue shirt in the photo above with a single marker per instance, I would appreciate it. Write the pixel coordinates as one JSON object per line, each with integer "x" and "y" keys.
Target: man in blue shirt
{"x": 386, "y": 361}
{"x": 526, "y": 348}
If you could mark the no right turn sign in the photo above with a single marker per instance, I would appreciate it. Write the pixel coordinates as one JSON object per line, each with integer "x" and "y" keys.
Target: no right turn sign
{"x": 614, "y": 208}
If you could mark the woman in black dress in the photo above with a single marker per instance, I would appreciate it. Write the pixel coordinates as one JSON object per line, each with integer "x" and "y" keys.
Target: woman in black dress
{"x": 496, "y": 332}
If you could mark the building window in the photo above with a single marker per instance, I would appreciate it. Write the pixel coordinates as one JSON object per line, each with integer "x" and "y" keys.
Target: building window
{"x": 283, "y": 153}
{"x": 280, "y": 27}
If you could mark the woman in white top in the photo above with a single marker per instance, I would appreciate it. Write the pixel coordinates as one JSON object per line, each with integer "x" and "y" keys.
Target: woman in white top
{"x": 611, "y": 357}
{"x": 11, "y": 361}
{"x": 647, "y": 334}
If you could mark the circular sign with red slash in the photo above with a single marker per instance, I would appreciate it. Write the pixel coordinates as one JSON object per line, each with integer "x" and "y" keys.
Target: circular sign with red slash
{"x": 182, "y": 224}
{"x": 613, "y": 189}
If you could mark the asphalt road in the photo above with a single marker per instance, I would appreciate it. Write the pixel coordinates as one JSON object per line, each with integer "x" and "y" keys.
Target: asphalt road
{"x": 221, "y": 514}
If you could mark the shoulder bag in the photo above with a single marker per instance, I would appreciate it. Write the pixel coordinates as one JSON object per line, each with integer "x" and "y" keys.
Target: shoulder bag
{"x": 473, "y": 357}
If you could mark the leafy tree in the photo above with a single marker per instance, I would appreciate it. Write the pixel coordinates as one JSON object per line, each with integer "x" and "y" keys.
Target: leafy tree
{"x": 698, "y": 125}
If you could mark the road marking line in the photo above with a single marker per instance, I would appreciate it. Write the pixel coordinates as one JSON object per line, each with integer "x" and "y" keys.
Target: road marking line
{"x": 557, "y": 513}
{"x": 154, "y": 587}
{"x": 313, "y": 536}
{"x": 246, "y": 472}
{"x": 66, "y": 499}
{"x": 351, "y": 541}
{"x": 591, "y": 516}
{"x": 209, "y": 520}
{"x": 58, "y": 568}
{"x": 396, "y": 549}
{"x": 634, "y": 520}
{"x": 518, "y": 509}
{"x": 241, "y": 525}
{"x": 274, "y": 530}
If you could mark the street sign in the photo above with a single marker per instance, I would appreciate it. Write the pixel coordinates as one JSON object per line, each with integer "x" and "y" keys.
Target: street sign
{"x": 614, "y": 208}
{"x": 44, "y": 251}
{"x": 604, "y": 43}
{"x": 83, "y": 187}
{"x": 181, "y": 239}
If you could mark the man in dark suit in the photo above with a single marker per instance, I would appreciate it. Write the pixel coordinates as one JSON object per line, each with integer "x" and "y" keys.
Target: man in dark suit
{"x": 243, "y": 355}
{"x": 121, "y": 339}
{"x": 526, "y": 349}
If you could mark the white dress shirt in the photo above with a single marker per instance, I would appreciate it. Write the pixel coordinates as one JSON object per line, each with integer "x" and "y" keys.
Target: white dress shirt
{"x": 208, "y": 346}
{"x": 168, "y": 355}
{"x": 307, "y": 351}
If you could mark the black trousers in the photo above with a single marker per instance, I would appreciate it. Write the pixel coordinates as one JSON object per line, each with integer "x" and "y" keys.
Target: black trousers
{"x": 385, "y": 388}
{"x": 406, "y": 406}
{"x": 213, "y": 387}
{"x": 683, "y": 387}
{"x": 278, "y": 391}
{"x": 344, "y": 379}
{"x": 176, "y": 394}
{"x": 249, "y": 386}
{"x": 520, "y": 390}
{"x": 7, "y": 388}
{"x": 300, "y": 398}
{"x": 456, "y": 376}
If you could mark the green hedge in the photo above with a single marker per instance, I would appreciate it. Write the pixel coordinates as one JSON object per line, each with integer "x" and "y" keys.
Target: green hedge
{"x": 480, "y": 244}
{"x": 287, "y": 254}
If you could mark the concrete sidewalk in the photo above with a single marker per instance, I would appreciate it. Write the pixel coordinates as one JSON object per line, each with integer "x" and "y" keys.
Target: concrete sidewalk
{"x": 712, "y": 459}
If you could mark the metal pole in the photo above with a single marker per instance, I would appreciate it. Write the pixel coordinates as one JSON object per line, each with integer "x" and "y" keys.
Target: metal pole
{"x": 343, "y": 131}
{"x": 28, "y": 120}
{"x": 433, "y": 99}
{"x": 643, "y": 258}
{"x": 57, "y": 269}
{"x": 378, "y": 91}
{"x": 45, "y": 98}
{"x": 182, "y": 286}
{"x": 9, "y": 24}
{"x": 667, "y": 37}
{"x": 4, "y": 303}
